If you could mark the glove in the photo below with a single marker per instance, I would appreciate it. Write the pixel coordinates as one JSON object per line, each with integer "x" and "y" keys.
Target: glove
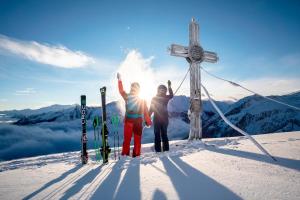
{"x": 118, "y": 76}
{"x": 169, "y": 83}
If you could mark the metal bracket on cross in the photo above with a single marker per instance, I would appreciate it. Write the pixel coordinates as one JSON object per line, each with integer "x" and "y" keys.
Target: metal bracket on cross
{"x": 194, "y": 54}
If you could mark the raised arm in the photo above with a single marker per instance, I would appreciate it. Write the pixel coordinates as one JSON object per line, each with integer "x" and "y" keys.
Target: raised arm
{"x": 170, "y": 96}
{"x": 120, "y": 86}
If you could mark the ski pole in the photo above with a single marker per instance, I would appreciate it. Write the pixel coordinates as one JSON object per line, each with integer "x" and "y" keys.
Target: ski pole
{"x": 118, "y": 146}
{"x": 115, "y": 145}
{"x": 98, "y": 149}
{"x": 96, "y": 141}
{"x": 115, "y": 122}
{"x": 112, "y": 123}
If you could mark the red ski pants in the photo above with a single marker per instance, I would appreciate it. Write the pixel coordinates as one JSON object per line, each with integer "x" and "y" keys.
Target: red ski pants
{"x": 132, "y": 126}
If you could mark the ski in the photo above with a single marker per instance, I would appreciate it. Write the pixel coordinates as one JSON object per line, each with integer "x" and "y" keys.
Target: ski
{"x": 105, "y": 149}
{"x": 84, "y": 153}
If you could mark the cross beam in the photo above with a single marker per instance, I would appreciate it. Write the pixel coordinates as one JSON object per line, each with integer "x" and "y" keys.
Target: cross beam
{"x": 194, "y": 54}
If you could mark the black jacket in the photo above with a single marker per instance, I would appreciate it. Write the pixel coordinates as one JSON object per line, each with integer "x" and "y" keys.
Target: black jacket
{"x": 159, "y": 106}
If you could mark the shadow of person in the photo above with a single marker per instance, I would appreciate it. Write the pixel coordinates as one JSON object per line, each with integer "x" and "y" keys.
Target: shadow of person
{"x": 284, "y": 162}
{"x": 159, "y": 195}
{"x": 130, "y": 186}
{"x": 54, "y": 181}
{"x": 80, "y": 183}
{"x": 108, "y": 187}
{"x": 192, "y": 184}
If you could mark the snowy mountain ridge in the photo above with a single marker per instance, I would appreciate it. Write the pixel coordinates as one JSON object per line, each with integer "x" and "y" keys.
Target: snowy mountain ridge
{"x": 257, "y": 115}
{"x": 59, "y": 130}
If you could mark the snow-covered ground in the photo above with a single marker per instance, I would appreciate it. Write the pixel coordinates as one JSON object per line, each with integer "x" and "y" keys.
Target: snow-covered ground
{"x": 231, "y": 168}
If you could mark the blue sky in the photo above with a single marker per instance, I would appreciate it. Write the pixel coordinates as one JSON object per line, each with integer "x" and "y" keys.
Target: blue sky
{"x": 51, "y": 52}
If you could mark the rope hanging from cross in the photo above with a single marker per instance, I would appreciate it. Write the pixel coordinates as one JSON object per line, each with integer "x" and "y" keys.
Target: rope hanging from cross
{"x": 194, "y": 54}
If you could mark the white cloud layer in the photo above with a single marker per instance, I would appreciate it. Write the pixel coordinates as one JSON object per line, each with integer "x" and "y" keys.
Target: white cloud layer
{"x": 58, "y": 56}
{"x": 137, "y": 68}
{"x": 25, "y": 92}
{"x": 265, "y": 86}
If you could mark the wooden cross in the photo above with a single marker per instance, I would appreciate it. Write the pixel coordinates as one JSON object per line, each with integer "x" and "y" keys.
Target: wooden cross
{"x": 194, "y": 54}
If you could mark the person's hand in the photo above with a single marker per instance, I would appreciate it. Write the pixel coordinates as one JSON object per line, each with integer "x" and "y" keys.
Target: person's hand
{"x": 169, "y": 83}
{"x": 148, "y": 124}
{"x": 118, "y": 76}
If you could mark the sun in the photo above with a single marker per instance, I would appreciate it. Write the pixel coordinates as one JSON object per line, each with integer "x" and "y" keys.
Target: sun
{"x": 147, "y": 90}
{"x": 136, "y": 68}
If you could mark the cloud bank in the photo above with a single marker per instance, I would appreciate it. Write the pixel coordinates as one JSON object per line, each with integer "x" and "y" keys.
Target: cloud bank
{"x": 136, "y": 68}
{"x": 24, "y": 141}
{"x": 58, "y": 56}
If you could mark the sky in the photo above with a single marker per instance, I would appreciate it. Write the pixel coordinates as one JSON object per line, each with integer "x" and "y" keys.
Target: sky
{"x": 51, "y": 52}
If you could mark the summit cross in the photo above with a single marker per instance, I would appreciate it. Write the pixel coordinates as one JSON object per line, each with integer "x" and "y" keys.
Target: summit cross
{"x": 194, "y": 54}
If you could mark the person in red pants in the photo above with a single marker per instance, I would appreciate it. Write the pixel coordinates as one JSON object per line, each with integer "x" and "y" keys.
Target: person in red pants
{"x": 136, "y": 111}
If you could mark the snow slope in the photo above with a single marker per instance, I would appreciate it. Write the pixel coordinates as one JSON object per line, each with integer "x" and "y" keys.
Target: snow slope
{"x": 224, "y": 168}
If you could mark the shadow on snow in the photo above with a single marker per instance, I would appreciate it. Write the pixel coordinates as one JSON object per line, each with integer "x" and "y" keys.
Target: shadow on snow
{"x": 190, "y": 183}
{"x": 129, "y": 187}
{"x": 54, "y": 181}
{"x": 284, "y": 162}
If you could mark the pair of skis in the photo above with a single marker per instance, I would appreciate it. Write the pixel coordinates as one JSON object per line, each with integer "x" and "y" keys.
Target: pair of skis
{"x": 105, "y": 149}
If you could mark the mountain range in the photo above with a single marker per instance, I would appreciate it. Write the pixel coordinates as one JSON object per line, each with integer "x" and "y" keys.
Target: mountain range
{"x": 57, "y": 128}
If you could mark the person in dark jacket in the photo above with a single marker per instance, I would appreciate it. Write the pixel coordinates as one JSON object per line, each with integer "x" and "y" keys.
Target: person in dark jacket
{"x": 159, "y": 106}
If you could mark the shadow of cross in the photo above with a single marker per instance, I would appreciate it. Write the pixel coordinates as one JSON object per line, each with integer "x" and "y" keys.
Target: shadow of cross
{"x": 187, "y": 180}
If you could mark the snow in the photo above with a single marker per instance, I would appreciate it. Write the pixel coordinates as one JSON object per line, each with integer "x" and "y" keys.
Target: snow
{"x": 224, "y": 168}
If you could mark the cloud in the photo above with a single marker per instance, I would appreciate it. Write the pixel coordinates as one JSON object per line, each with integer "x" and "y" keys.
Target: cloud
{"x": 291, "y": 59}
{"x": 58, "y": 56}
{"x": 265, "y": 86}
{"x": 137, "y": 68}
{"x": 273, "y": 85}
{"x": 25, "y": 92}
{"x": 23, "y": 141}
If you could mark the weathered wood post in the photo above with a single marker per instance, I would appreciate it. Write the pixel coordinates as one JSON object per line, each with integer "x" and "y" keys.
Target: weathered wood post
{"x": 194, "y": 54}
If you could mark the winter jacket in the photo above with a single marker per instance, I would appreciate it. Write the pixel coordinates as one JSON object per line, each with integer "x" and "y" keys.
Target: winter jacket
{"x": 159, "y": 106}
{"x": 136, "y": 108}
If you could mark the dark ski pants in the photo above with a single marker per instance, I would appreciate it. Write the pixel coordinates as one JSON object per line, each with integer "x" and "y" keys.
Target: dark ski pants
{"x": 160, "y": 134}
